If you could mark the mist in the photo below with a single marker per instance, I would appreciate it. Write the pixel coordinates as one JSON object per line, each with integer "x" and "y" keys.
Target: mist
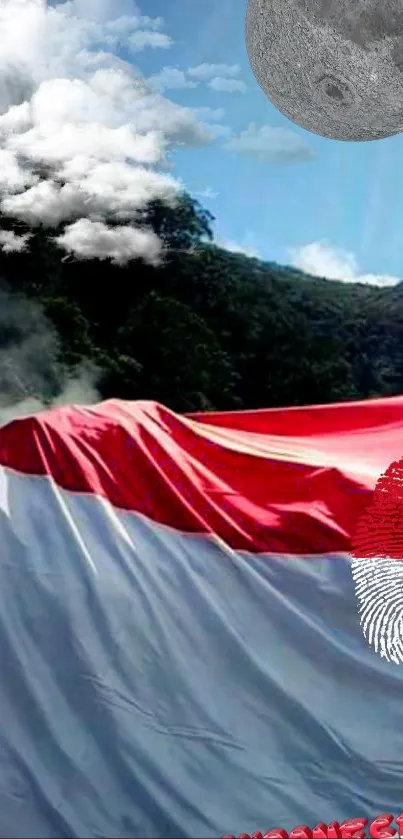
{"x": 31, "y": 377}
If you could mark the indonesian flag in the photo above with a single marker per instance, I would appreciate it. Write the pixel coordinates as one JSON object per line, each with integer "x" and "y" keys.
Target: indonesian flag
{"x": 201, "y": 620}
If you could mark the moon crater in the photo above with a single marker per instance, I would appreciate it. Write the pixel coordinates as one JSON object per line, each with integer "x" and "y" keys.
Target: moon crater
{"x": 334, "y": 67}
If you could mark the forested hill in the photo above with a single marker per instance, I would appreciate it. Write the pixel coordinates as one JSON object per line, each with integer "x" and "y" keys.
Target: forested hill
{"x": 209, "y": 329}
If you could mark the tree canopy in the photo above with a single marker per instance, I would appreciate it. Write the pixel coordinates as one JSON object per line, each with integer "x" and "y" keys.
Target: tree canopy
{"x": 209, "y": 329}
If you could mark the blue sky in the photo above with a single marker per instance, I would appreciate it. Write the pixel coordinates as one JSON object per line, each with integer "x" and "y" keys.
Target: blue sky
{"x": 277, "y": 192}
{"x": 275, "y": 189}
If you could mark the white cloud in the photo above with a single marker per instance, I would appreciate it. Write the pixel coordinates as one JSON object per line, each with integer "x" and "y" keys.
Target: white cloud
{"x": 208, "y": 192}
{"x": 91, "y": 189}
{"x": 227, "y": 85}
{"x": 89, "y": 239}
{"x": 118, "y": 24}
{"x": 81, "y": 132}
{"x": 171, "y": 78}
{"x": 322, "y": 260}
{"x": 53, "y": 143}
{"x": 208, "y": 118}
{"x": 273, "y": 145}
{"x": 204, "y": 72}
{"x": 215, "y": 130}
{"x": 16, "y": 120}
{"x": 11, "y": 242}
{"x": 42, "y": 41}
{"x": 246, "y": 246}
{"x": 13, "y": 176}
{"x": 175, "y": 124}
{"x": 139, "y": 40}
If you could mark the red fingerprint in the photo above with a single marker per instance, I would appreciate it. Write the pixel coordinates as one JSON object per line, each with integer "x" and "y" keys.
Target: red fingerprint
{"x": 377, "y": 567}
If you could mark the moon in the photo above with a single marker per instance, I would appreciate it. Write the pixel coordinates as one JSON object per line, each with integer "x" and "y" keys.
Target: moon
{"x": 334, "y": 67}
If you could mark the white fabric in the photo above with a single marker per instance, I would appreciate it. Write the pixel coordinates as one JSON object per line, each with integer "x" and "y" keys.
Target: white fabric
{"x": 159, "y": 684}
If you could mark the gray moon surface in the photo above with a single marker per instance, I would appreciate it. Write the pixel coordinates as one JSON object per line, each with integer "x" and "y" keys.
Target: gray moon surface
{"x": 334, "y": 67}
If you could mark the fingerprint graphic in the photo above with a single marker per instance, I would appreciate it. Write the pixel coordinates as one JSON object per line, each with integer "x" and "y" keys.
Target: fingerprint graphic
{"x": 377, "y": 566}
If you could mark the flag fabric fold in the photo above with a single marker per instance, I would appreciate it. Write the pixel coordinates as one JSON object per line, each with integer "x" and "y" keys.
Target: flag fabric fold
{"x": 180, "y": 642}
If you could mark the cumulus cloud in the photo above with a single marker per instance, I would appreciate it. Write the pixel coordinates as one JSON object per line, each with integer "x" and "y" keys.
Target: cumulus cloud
{"x": 40, "y": 41}
{"x": 273, "y": 145}
{"x": 204, "y": 72}
{"x": 222, "y": 85}
{"x": 83, "y": 136}
{"x": 322, "y": 260}
{"x": 11, "y": 242}
{"x": 171, "y": 78}
{"x": 105, "y": 189}
{"x": 139, "y": 40}
{"x": 209, "y": 119}
{"x": 89, "y": 239}
{"x": 13, "y": 176}
{"x": 218, "y": 77}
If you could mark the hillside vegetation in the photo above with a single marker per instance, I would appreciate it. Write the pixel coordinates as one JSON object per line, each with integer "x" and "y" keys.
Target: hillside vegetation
{"x": 209, "y": 329}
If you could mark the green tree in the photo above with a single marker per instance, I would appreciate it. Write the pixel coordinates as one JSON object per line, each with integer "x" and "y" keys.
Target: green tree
{"x": 209, "y": 329}
{"x": 181, "y": 361}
